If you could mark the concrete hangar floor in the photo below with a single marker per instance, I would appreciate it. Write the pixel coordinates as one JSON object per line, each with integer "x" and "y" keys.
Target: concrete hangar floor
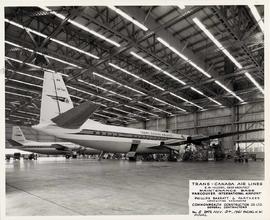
{"x": 56, "y": 186}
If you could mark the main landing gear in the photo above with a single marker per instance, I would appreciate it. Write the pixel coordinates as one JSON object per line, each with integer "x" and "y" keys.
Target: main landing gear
{"x": 173, "y": 156}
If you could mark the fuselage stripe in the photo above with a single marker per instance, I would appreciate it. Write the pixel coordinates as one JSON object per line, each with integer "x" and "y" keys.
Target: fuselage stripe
{"x": 122, "y": 135}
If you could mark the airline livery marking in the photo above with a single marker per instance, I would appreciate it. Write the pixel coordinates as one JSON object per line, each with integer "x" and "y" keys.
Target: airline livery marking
{"x": 126, "y": 135}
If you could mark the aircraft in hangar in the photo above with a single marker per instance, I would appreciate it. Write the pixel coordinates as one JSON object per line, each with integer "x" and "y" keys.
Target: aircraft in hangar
{"x": 59, "y": 118}
{"x": 68, "y": 149}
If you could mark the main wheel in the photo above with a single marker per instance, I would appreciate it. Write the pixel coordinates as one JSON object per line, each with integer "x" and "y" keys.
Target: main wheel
{"x": 132, "y": 158}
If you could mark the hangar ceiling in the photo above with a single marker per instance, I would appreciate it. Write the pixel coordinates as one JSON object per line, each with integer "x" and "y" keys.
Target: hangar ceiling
{"x": 167, "y": 64}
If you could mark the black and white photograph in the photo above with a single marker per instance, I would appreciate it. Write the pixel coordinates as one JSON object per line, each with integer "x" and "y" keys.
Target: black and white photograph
{"x": 120, "y": 109}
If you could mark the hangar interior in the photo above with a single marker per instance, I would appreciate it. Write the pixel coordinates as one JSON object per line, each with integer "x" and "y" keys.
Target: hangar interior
{"x": 189, "y": 69}
{"x": 169, "y": 76}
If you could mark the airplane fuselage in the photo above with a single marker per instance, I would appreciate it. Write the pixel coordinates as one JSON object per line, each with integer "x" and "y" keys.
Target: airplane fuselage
{"x": 112, "y": 138}
{"x": 47, "y": 148}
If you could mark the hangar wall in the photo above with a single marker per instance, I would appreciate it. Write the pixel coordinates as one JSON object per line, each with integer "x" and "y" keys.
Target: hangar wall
{"x": 239, "y": 117}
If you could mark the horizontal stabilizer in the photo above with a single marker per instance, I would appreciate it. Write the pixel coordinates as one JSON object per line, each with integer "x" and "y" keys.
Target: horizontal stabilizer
{"x": 14, "y": 143}
{"x": 75, "y": 117}
{"x": 60, "y": 147}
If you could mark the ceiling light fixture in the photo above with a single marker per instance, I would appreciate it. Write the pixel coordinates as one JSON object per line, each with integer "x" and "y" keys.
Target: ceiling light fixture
{"x": 150, "y": 106}
{"x": 229, "y": 91}
{"x": 18, "y": 94}
{"x": 33, "y": 65}
{"x": 201, "y": 93}
{"x": 111, "y": 80}
{"x": 91, "y": 94}
{"x": 137, "y": 77}
{"x": 126, "y": 16}
{"x": 141, "y": 110}
{"x": 52, "y": 39}
{"x": 48, "y": 56}
{"x": 216, "y": 42}
{"x": 75, "y": 23}
{"x": 179, "y": 97}
{"x": 24, "y": 74}
{"x": 159, "y": 100}
{"x": 99, "y": 87}
{"x": 183, "y": 57}
{"x": 257, "y": 16}
{"x": 157, "y": 68}
{"x": 29, "y": 84}
{"x": 254, "y": 82}
{"x": 226, "y": 52}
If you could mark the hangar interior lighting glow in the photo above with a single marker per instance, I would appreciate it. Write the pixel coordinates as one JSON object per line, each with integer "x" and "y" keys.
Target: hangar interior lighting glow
{"x": 254, "y": 82}
{"x": 216, "y": 42}
{"x": 105, "y": 116}
{"x": 226, "y": 52}
{"x": 179, "y": 97}
{"x": 52, "y": 39}
{"x": 36, "y": 66}
{"x": 183, "y": 57}
{"x": 128, "y": 106}
{"x": 94, "y": 73}
{"x": 98, "y": 114}
{"x": 18, "y": 94}
{"x": 196, "y": 90}
{"x": 126, "y": 16}
{"x": 99, "y": 87}
{"x": 17, "y": 116}
{"x": 24, "y": 74}
{"x": 229, "y": 91}
{"x": 48, "y": 56}
{"x": 201, "y": 93}
{"x": 129, "y": 113}
{"x": 150, "y": 106}
{"x": 25, "y": 90}
{"x": 29, "y": 113}
{"x": 157, "y": 68}
{"x": 137, "y": 77}
{"x": 22, "y": 82}
{"x": 91, "y": 94}
{"x": 75, "y": 23}
{"x": 111, "y": 80}
{"x": 112, "y": 113}
{"x": 257, "y": 16}
{"x": 159, "y": 100}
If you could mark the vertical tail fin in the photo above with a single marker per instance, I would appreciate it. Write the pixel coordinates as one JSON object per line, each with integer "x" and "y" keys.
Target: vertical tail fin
{"x": 17, "y": 134}
{"x": 55, "y": 98}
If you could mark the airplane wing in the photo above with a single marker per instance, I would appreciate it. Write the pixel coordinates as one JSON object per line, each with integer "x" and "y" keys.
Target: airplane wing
{"x": 198, "y": 139}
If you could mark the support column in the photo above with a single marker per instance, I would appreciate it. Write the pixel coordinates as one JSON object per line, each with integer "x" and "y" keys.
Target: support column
{"x": 195, "y": 116}
{"x": 167, "y": 125}
{"x": 144, "y": 125}
{"x": 231, "y": 144}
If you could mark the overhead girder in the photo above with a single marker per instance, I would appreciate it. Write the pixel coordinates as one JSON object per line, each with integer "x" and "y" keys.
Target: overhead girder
{"x": 26, "y": 102}
{"x": 133, "y": 44}
{"x": 222, "y": 14}
{"x": 174, "y": 42}
{"x": 138, "y": 89}
{"x": 75, "y": 61}
{"x": 116, "y": 79}
{"x": 136, "y": 44}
